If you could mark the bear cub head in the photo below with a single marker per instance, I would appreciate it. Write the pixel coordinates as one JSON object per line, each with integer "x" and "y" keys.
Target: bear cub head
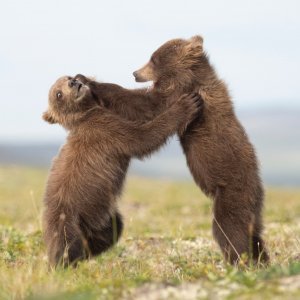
{"x": 69, "y": 99}
{"x": 176, "y": 58}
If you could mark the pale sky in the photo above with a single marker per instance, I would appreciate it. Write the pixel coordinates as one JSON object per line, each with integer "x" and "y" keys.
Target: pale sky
{"x": 254, "y": 46}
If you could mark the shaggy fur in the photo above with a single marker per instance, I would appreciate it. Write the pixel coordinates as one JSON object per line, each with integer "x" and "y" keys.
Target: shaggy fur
{"x": 218, "y": 152}
{"x": 81, "y": 216}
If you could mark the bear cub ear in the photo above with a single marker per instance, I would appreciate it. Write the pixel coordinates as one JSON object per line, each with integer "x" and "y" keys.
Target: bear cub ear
{"x": 48, "y": 118}
{"x": 196, "y": 42}
{"x": 197, "y": 39}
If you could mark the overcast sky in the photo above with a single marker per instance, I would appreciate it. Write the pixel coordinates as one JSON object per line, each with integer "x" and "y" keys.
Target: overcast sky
{"x": 254, "y": 46}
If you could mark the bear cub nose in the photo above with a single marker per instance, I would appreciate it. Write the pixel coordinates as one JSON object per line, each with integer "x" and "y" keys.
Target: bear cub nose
{"x": 72, "y": 82}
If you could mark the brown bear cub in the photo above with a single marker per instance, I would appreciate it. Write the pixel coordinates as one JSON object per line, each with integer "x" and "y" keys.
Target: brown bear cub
{"x": 218, "y": 152}
{"x": 81, "y": 216}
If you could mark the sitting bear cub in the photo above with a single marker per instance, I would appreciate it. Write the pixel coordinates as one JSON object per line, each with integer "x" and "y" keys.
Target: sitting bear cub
{"x": 81, "y": 215}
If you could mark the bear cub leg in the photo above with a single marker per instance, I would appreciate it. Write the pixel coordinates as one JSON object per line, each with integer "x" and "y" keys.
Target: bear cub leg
{"x": 74, "y": 240}
{"x": 101, "y": 240}
{"x": 237, "y": 229}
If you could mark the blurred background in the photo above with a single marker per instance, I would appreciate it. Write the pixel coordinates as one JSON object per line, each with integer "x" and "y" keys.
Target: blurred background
{"x": 254, "y": 46}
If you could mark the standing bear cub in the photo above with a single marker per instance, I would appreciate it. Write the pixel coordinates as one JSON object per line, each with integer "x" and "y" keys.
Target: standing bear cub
{"x": 218, "y": 151}
{"x": 81, "y": 215}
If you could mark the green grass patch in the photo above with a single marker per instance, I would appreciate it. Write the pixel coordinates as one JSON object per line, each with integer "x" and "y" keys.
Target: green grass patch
{"x": 166, "y": 252}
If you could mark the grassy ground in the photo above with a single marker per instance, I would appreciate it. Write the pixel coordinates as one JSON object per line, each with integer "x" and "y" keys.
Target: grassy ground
{"x": 166, "y": 252}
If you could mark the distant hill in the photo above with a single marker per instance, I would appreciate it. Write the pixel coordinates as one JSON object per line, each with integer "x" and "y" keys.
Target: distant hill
{"x": 275, "y": 134}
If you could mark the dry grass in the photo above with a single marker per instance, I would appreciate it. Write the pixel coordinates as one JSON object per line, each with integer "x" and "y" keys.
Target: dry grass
{"x": 166, "y": 252}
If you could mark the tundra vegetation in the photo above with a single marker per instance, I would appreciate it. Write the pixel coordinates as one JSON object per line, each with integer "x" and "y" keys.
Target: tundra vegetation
{"x": 166, "y": 251}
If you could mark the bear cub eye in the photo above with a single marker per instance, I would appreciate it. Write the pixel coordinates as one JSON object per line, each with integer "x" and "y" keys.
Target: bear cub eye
{"x": 153, "y": 60}
{"x": 58, "y": 95}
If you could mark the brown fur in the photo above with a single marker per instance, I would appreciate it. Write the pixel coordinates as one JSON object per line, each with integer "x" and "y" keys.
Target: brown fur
{"x": 218, "y": 152}
{"x": 81, "y": 216}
